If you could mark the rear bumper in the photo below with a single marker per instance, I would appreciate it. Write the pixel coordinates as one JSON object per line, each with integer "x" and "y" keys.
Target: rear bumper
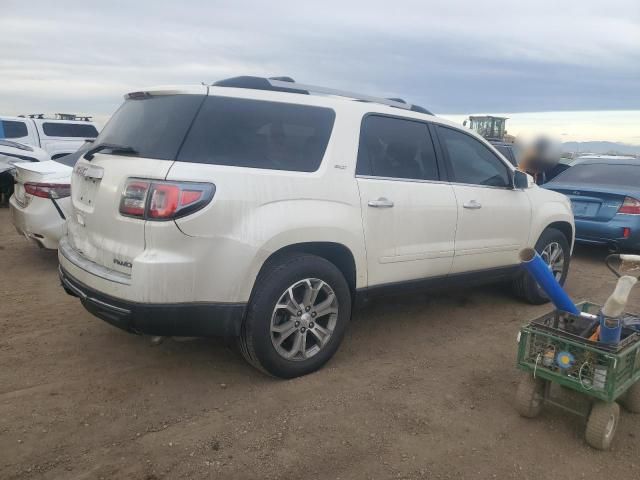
{"x": 171, "y": 319}
{"x": 611, "y": 232}
{"x": 39, "y": 221}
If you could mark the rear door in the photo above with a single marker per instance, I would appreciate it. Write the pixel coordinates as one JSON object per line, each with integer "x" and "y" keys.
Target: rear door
{"x": 152, "y": 124}
{"x": 493, "y": 218}
{"x": 409, "y": 215}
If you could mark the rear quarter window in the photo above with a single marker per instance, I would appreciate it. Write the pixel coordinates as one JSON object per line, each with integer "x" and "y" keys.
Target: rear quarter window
{"x": 154, "y": 126}
{"x": 75, "y": 130}
{"x": 13, "y": 129}
{"x": 258, "y": 134}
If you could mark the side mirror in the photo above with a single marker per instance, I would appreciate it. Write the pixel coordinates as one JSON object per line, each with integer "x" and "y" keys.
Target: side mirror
{"x": 520, "y": 180}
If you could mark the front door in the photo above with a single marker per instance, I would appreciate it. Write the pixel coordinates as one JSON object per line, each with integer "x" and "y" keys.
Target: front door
{"x": 409, "y": 215}
{"x": 493, "y": 218}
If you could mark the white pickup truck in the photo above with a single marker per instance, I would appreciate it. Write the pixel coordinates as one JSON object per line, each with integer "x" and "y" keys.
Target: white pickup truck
{"x": 57, "y": 137}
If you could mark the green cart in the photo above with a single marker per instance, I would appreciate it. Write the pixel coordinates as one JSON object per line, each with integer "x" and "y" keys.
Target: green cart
{"x": 565, "y": 369}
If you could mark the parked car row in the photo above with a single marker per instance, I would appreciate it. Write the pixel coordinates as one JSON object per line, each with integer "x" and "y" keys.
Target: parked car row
{"x": 267, "y": 210}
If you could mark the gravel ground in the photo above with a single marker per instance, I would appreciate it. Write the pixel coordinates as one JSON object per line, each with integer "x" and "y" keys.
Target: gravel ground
{"x": 422, "y": 387}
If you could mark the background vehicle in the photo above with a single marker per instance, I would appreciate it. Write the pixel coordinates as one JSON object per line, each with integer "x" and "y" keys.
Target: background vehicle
{"x": 264, "y": 209}
{"x": 508, "y": 151}
{"x": 605, "y": 195}
{"x": 10, "y": 154}
{"x": 41, "y": 199}
{"x": 606, "y": 158}
{"x": 57, "y": 136}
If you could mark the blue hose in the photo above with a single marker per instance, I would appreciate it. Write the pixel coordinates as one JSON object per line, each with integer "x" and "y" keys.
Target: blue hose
{"x": 542, "y": 274}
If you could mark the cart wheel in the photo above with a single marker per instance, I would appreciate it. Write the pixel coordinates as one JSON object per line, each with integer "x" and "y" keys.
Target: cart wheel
{"x": 631, "y": 399}
{"x": 602, "y": 424}
{"x": 530, "y": 396}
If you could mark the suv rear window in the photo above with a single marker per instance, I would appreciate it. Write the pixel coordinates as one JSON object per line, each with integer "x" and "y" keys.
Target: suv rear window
{"x": 12, "y": 129}
{"x": 259, "y": 134}
{"x": 82, "y": 130}
{"x": 154, "y": 126}
{"x": 615, "y": 174}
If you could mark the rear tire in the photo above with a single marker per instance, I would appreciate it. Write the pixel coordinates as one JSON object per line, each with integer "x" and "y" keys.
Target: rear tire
{"x": 530, "y": 396}
{"x": 286, "y": 332}
{"x": 602, "y": 425}
{"x": 524, "y": 286}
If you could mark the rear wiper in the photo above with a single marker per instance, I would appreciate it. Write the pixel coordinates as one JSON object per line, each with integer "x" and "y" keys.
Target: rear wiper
{"x": 114, "y": 147}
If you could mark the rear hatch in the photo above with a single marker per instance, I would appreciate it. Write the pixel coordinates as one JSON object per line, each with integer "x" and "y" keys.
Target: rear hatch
{"x": 141, "y": 140}
{"x": 47, "y": 172}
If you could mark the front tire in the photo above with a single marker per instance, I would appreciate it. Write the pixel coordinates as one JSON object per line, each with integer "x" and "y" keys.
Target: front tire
{"x": 554, "y": 249}
{"x": 297, "y": 316}
{"x": 602, "y": 425}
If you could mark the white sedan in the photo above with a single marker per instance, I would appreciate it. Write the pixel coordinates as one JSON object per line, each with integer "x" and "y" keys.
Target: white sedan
{"x": 41, "y": 201}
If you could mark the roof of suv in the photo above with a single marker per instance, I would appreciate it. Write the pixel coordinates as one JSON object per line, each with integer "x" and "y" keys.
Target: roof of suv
{"x": 282, "y": 89}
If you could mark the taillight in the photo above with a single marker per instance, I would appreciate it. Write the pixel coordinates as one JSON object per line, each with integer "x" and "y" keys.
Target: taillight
{"x": 134, "y": 198}
{"x": 630, "y": 206}
{"x": 48, "y": 190}
{"x": 164, "y": 200}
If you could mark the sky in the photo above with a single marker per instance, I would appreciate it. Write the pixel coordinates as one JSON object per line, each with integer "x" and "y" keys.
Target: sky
{"x": 568, "y": 68}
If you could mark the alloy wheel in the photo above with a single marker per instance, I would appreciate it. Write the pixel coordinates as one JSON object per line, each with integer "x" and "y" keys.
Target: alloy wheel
{"x": 553, "y": 256}
{"x": 304, "y": 319}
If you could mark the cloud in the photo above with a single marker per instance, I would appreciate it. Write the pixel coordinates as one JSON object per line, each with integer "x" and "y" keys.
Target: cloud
{"x": 456, "y": 56}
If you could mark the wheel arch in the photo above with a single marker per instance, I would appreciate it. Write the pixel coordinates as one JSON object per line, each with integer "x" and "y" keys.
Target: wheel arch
{"x": 565, "y": 228}
{"x": 338, "y": 254}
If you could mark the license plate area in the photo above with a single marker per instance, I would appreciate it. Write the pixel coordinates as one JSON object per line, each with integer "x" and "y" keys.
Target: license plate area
{"x": 584, "y": 209}
{"x": 86, "y": 191}
{"x": 86, "y": 183}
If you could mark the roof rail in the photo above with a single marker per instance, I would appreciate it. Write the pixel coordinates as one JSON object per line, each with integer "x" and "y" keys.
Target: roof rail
{"x": 287, "y": 84}
{"x": 258, "y": 83}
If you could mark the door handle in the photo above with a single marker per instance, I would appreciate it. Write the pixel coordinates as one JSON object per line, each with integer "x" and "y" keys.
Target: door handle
{"x": 472, "y": 205}
{"x": 382, "y": 202}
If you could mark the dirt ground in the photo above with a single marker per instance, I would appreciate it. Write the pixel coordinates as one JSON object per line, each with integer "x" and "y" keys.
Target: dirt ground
{"x": 422, "y": 387}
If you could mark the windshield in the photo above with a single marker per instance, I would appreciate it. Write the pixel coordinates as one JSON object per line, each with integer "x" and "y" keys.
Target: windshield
{"x": 153, "y": 126}
{"x": 601, "y": 174}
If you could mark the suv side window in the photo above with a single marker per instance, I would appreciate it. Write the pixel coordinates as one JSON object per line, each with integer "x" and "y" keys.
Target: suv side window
{"x": 471, "y": 161}
{"x": 507, "y": 152}
{"x": 258, "y": 134}
{"x": 12, "y": 129}
{"x": 396, "y": 148}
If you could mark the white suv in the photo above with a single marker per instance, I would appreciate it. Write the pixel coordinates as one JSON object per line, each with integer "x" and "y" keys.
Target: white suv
{"x": 266, "y": 210}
